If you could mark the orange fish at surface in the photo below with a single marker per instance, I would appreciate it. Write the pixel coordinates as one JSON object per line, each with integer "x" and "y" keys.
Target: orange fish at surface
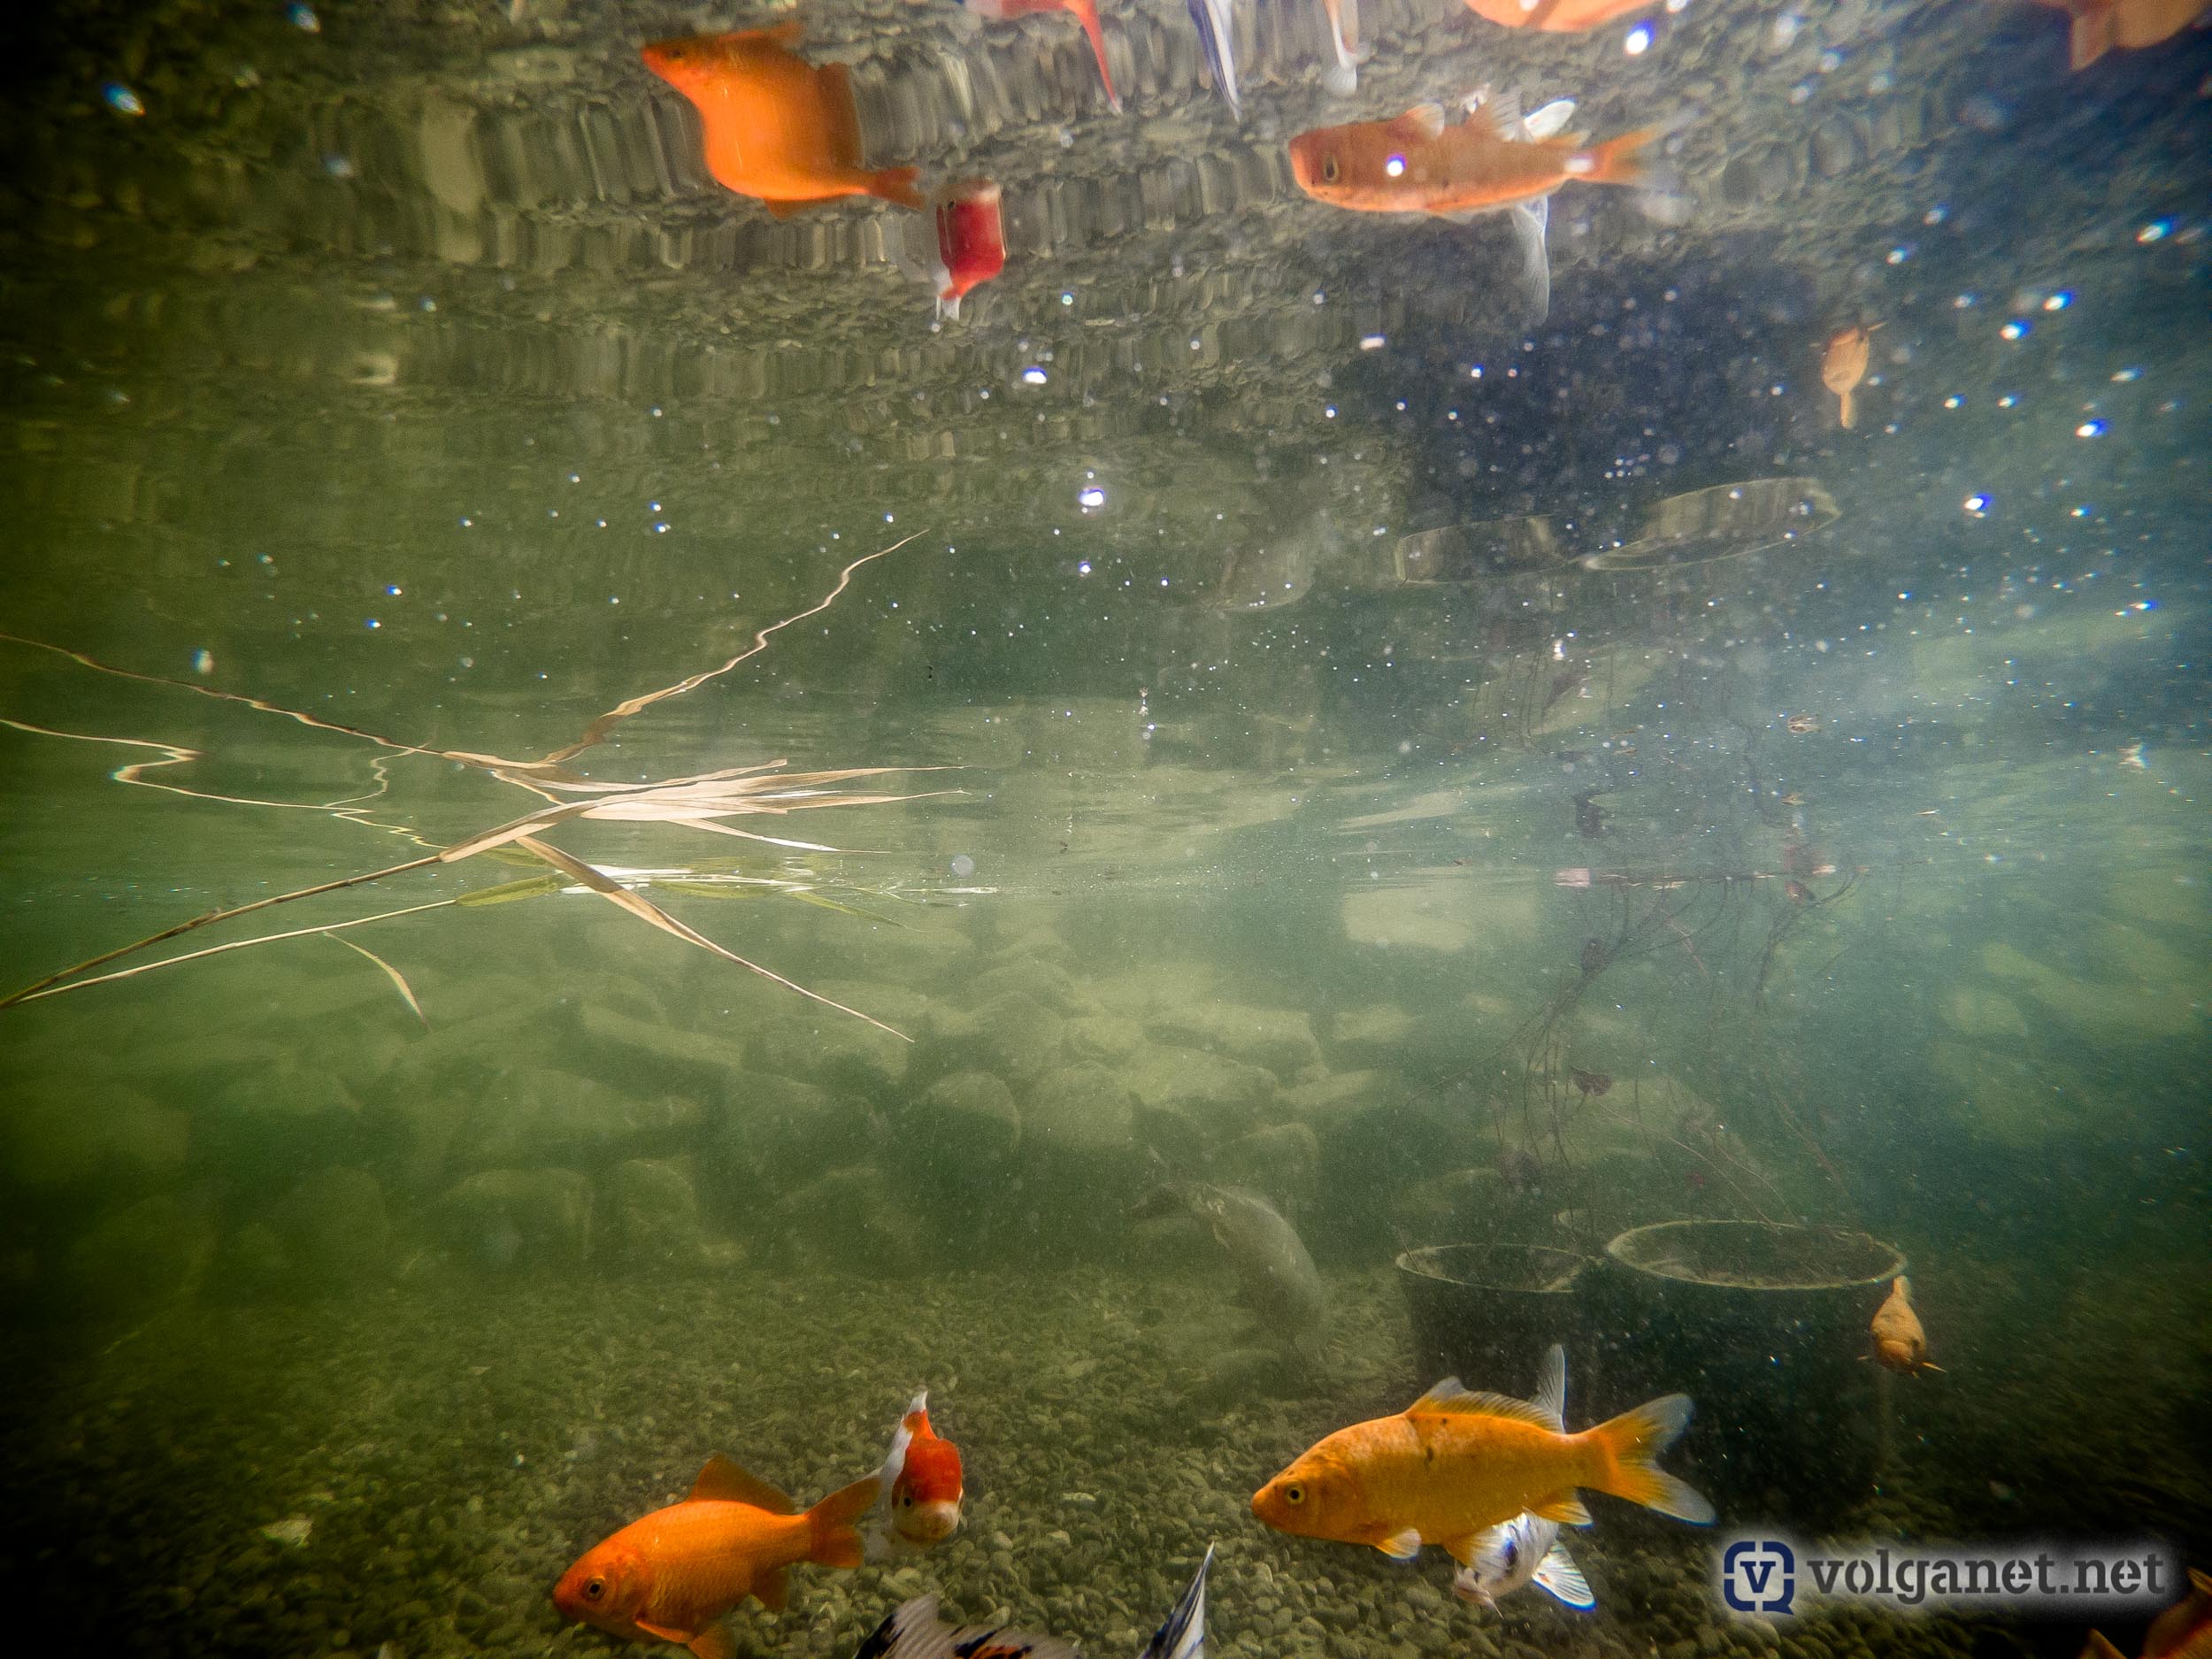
{"x": 1844, "y": 365}
{"x": 1899, "y": 1341}
{"x": 1084, "y": 11}
{"x": 778, "y": 129}
{"x": 922, "y": 1478}
{"x": 1455, "y": 1463}
{"x": 672, "y": 1575}
{"x": 971, "y": 241}
{"x": 1418, "y": 164}
{"x": 1560, "y": 16}
{"x": 2101, "y": 25}
{"x": 2184, "y": 1630}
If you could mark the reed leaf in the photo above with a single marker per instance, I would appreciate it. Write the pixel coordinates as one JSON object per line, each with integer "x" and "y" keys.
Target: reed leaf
{"x": 398, "y": 979}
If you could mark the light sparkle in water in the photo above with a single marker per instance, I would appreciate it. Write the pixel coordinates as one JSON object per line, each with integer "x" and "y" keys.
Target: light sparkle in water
{"x": 2057, "y": 301}
{"x": 1033, "y": 376}
{"x": 1394, "y": 166}
{"x": 2015, "y": 329}
{"x": 303, "y": 18}
{"x": 1090, "y": 497}
{"x": 121, "y": 99}
{"x": 1639, "y": 40}
{"x": 2157, "y": 230}
{"x": 1977, "y": 504}
{"x": 2089, "y": 429}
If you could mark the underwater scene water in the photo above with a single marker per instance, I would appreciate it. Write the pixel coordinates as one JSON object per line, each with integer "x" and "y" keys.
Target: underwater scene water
{"x": 714, "y": 715}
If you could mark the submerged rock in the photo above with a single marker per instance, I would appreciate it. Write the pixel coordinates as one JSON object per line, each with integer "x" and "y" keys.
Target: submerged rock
{"x": 134, "y": 1259}
{"x": 1279, "y": 1038}
{"x": 503, "y": 1220}
{"x": 969, "y": 1118}
{"x": 653, "y": 1214}
{"x": 334, "y": 1226}
{"x": 850, "y": 1218}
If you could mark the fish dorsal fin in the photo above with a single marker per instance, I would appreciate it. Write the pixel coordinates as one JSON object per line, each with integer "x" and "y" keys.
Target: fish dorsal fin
{"x": 722, "y": 1481}
{"x": 1452, "y": 1398}
{"x": 1551, "y": 1387}
{"x": 1504, "y": 110}
{"x": 1550, "y": 122}
{"x": 786, "y": 35}
{"x": 1562, "y": 1507}
{"x": 1558, "y": 1574}
{"x": 1423, "y": 120}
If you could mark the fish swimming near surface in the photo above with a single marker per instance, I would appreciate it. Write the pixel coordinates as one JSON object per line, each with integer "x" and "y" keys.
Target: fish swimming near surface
{"x": 1899, "y": 1341}
{"x": 2101, "y": 25}
{"x": 922, "y": 1483}
{"x": 1457, "y": 1463}
{"x": 1084, "y": 11}
{"x": 1217, "y": 39}
{"x": 2184, "y": 1630}
{"x": 915, "y": 1631}
{"x": 1567, "y": 17}
{"x": 1495, "y": 161}
{"x": 971, "y": 241}
{"x": 1527, "y": 1549}
{"x": 1275, "y": 1273}
{"x": 1844, "y": 365}
{"x": 778, "y": 129}
{"x": 672, "y": 1575}
{"x": 1342, "y": 76}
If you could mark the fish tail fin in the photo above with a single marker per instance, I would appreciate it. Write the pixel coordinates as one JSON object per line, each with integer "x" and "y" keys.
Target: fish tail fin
{"x": 1849, "y": 418}
{"x": 1628, "y": 1459}
{"x": 2093, "y": 34}
{"x": 1087, "y": 14}
{"x": 896, "y": 184}
{"x": 1529, "y": 220}
{"x": 1900, "y": 1284}
{"x": 1619, "y": 160}
{"x": 832, "y": 1540}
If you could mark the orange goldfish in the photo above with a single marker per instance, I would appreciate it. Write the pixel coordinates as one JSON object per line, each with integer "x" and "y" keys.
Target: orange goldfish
{"x": 922, "y": 1479}
{"x": 672, "y": 1575}
{"x": 1566, "y": 17}
{"x": 1084, "y": 11}
{"x": 2184, "y": 1630}
{"x": 1418, "y": 164}
{"x": 2101, "y": 25}
{"x": 1899, "y": 1341}
{"x": 1455, "y": 1463}
{"x": 779, "y": 129}
{"x": 1845, "y": 366}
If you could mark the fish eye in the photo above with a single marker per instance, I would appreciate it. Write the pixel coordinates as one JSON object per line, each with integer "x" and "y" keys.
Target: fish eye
{"x": 594, "y": 1588}
{"x": 1297, "y": 1494}
{"x": 1328, "y": 176}
{"x": 1512, "y": 1552}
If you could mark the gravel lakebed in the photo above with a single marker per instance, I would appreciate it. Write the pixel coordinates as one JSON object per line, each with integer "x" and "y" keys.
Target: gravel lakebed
{"x": 408, "y": 1473}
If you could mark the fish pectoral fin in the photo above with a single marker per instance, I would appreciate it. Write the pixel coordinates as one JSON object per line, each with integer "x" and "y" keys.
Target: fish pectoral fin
{"x": 1529, "y": 220}
{"x": 1562, "y": 1507}
{"x": 1423, "y": 120}
{"x": 665, "y": 1633}
{"x": 1462, "y": 1551}
{"x": 714, "y": 1642}
{"x": 785, "y": 210}
{"x": 1401, "y": 1546}
{"x": 1550, "y": 120}
{"x": 774, "y": 1587}
{"x": 1558, "y": 1575}
{"x": 723, "y": 1481}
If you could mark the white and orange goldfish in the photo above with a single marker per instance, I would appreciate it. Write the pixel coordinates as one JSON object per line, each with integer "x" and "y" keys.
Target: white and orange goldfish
{"x": 1457, "y": 1463}
{"x": 778, "y": 129}
{"x": 923, "y": 1483}
{"x": 673, "y": 1575}
{"x": 1342, "y": 76}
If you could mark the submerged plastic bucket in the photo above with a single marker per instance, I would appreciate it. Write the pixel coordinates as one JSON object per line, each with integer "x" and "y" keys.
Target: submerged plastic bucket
{"x": 1763, "y": 1326}
{"x": 1486, "y": 1313}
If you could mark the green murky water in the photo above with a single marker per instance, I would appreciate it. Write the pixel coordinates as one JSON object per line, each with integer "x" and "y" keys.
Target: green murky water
{"x": 1319, "y": 731}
